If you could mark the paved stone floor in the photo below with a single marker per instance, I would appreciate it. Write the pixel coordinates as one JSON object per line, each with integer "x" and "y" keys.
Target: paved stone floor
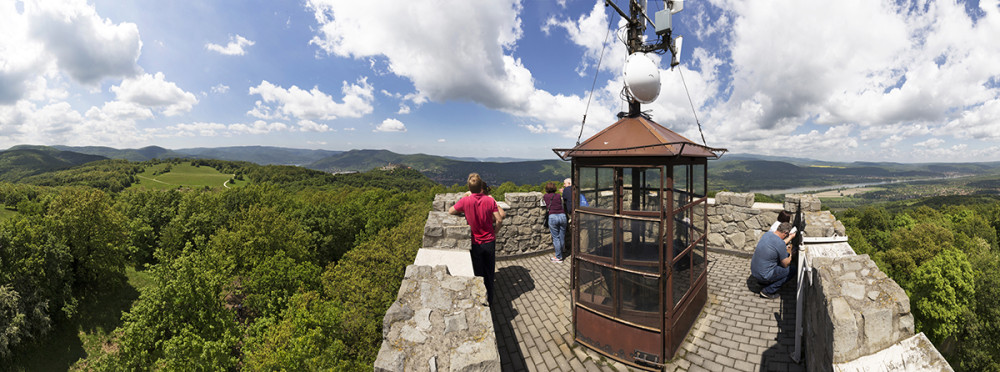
{"x": 737, "y": 330}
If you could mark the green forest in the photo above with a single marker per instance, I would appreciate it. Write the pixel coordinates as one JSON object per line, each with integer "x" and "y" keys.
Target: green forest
{"x": 292, "y": 270}
{"x": 184, "y": 264}
{"x": 946, "y": 259}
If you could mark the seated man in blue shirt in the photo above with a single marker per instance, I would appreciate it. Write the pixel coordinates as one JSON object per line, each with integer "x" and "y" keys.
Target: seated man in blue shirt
{"x": 771, "y": 258}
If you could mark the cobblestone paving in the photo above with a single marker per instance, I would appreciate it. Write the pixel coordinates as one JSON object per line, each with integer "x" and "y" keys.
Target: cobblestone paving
{"x": 737, "y": 330}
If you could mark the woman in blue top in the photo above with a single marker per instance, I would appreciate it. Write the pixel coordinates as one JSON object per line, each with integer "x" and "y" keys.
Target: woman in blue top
{"x": 557, "y": 219}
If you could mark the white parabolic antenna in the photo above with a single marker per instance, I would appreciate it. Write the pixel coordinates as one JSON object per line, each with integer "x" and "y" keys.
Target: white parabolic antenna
{"x": 642, "y": 77}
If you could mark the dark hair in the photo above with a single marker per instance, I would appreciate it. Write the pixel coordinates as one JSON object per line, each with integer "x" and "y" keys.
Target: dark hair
{"x": 784, "y": 216}
{"x": 550, "y": 187}
{"x": 486, "y": 188}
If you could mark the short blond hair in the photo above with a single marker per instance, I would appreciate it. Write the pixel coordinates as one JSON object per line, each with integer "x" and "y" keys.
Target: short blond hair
{"x": 475, "y": 183}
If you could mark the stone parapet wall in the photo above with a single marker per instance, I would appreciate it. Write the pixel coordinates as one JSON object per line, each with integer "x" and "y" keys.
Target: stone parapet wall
{"x": 736, "y": 223}
{"x": 852, "y": 310}
{"x": 438, "y": 322}
{"x": 521, "y": 233}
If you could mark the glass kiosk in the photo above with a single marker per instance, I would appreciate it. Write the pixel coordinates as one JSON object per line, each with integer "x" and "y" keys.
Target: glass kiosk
{"x": 639, "y": 277}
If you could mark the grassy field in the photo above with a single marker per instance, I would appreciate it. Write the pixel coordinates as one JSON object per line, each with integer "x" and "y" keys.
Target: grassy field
{"x": 184, "y": 175}
{"x": 90, "y": 330}
{"x": 7, "y": 213}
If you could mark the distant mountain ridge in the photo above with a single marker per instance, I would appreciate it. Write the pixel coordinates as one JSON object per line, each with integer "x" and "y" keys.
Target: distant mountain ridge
{"x": 447, "y": 171}
{"x": 264, "y": 155}
{"x": 734, "y": 172}
{"x": 23, "y": 161}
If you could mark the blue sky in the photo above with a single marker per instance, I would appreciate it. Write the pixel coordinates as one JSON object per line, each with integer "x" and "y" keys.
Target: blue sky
{"x": 842, "y": 81}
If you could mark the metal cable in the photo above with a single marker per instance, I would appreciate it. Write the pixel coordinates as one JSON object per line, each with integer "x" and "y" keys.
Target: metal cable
{"x": 597, "y": 70}
{"x": 681, "y": 72}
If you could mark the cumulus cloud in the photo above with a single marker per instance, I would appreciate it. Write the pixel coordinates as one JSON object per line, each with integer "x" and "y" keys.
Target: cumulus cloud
{"x": 413, "y": 35}
{"x": 390, "y": 125}
{"x": 311, "y": 126}
{"x": 799, "y": 62}
{"x": 85, "y": 46}
{"x": 236, "y": 46}
{"x": 220, "y": 89}
{"x": 257, "y": 127}
{"x": 209, "y": 129}
{"x": 153, "y": 91}
{"x": 312, "y": 104}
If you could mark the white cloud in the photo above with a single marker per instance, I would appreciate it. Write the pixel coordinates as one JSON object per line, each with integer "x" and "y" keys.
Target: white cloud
{"x": 313, "y": 104}
{"x": 390, "y": 125}
{"x": 351, "y": 129}
{"x": 441, "y": 140}
{"x": 590, "y": 31}
{"x": 236, "y": 46}
{"x": 220, "y": 89}
{"x": 311, "y": 126}
{"x": 413, "y": 35}
{"x": 196, "y": 129}
{"x": 930, "y": 143}
{"x": 257, "y": 127}
{"x": 153, "y": 91}
{"x": 85, "y": 46}
{"x": 403, "y": 109}
{"x": 981, "y": 122}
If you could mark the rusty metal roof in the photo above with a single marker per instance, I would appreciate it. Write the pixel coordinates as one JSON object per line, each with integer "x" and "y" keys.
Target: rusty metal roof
{"x": 638, "y": 136}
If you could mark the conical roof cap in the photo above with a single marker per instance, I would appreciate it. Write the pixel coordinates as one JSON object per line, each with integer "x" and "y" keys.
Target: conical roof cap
{"x": 638, "y": 137}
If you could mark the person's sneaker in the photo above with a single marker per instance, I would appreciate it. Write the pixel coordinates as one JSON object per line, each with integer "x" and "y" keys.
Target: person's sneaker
{"x": 769, "y": 296}
{"x": 556, "y": 259}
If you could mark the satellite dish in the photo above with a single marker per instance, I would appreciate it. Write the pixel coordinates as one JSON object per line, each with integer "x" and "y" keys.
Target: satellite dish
{"x": 642, "y": 78}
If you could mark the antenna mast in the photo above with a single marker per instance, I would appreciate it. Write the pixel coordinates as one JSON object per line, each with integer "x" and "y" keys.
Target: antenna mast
{"x": 637, "y": 20}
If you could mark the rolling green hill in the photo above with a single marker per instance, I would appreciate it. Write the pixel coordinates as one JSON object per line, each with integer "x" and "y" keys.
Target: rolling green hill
{"x": 24, "y": 161}
{"x": 143, "y": 154}
{"x": 263, "y": 155}
{"x": 447, "y": 171}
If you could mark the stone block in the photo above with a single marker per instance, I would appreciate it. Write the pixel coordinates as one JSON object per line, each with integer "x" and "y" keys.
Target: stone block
{"x": 390, "y": 359}
{"x": 739, "y": 240}
{"x": 808, "y": 202}
{"x": 733, "y": 198}
{"x": 473, "y": 356}
{"x": 845, "y": 330}
{"x": 878, "y": 327}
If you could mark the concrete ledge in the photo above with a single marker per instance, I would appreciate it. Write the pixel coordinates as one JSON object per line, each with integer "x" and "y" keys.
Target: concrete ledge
{"x": 912, "y": 354}
{"x": 459, "y": 262}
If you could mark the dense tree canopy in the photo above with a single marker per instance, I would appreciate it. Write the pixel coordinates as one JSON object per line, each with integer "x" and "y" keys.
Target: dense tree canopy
{"x": 947, "y": 260}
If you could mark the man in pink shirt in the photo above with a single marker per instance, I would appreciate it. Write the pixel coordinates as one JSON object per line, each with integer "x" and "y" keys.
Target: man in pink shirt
{"x": 484, "y": 218}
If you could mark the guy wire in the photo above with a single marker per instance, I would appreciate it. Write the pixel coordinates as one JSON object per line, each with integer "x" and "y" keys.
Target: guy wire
{"x": 681, "y": 72}
{"x": 597, "y": 70}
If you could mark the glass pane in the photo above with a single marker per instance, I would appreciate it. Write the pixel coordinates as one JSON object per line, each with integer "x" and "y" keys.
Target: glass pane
{"x": 640, "y": 299}
{"x": 597, "y": 187}
{"x": 699, "y": 259}
{"x": 640, "y": 243}
{"x": 641, "y": 188}
{"x": 681, "y": 277}
{"x": 594, "y": 283}
{"x": 682, "y": 195}
{"x": 698, "y": 180}
{"x": 596, "y": 234}
{"x": 682, "y": 231}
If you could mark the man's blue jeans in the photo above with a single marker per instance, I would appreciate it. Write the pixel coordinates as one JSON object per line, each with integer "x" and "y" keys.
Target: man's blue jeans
{"x": 557, "y": 226}
{"x": 778, "y": 278}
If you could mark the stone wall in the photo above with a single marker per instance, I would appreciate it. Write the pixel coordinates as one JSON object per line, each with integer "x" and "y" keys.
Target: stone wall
{"x": 438, "y": 322}
{"x": 521, "y": 233}
{"x": 852, "y": 310}
{"x": 736, "y": 222}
